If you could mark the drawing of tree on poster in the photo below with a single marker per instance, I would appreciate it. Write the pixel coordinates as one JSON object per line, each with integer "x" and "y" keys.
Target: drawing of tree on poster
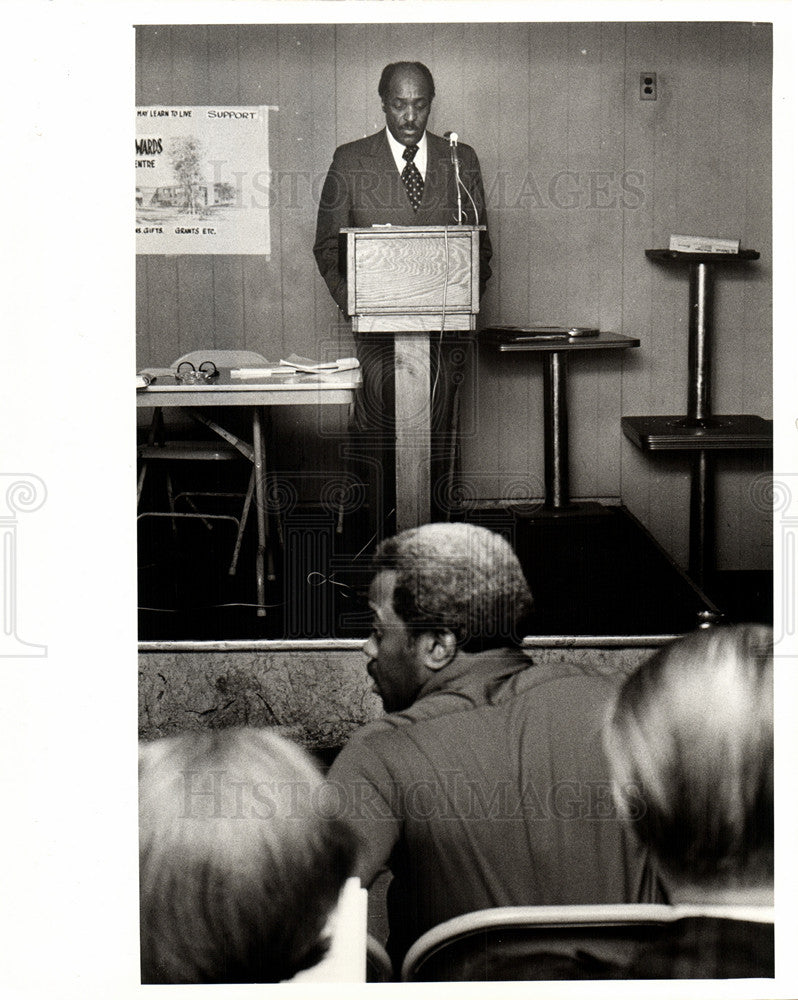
{"x": 185, "y": 155}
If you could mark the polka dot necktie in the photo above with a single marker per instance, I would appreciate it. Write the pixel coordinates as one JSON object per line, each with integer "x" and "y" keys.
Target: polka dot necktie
{"x": 411, "y": 178}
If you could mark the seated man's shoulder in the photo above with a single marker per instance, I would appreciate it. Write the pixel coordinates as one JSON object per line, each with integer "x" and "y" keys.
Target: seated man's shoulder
{"x": 392, "y": 736}
{"x": 554, "y": 691}
{"x": 384, "y": 728}
{"x": 565, "y": 677}
{"x": 374, "y": 753}
{"x": 562, "y": 689}
{"x": 372, "y": 734}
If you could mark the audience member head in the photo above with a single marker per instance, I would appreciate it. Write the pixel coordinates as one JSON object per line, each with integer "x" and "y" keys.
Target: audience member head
{"x": 690, "y": 743}
{"x": 439, "y": 590}
{"x": 240, "y": 866}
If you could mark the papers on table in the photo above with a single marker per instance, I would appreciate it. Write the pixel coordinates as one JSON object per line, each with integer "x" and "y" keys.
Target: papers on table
{"x": 294, "y": 364}
{"x": 703, "y": 244}
{"x": 262, "y": 372}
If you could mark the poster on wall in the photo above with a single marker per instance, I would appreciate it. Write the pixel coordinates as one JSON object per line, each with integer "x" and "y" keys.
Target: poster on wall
{"x": 202, "y": 180}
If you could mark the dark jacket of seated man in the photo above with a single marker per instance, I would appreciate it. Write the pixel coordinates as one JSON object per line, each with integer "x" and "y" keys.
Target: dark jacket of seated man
{"x": 486, "y": 785}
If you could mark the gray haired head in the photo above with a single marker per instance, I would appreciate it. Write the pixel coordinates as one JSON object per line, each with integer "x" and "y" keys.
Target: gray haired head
{"x": 460, "y": 577}
{"x": 690, "y": 743}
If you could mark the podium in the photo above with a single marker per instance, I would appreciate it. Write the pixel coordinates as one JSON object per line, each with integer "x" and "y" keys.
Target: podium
{"x": 406, "y": 282}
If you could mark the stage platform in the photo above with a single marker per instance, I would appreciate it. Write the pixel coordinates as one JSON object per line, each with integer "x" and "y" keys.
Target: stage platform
{"x": 606, "y": 596}
{"x": 599, "y": 573}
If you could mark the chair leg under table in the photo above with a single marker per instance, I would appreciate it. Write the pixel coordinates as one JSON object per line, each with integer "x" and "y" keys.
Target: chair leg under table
{"x": 140, "y": 485}
{"x": 242, "y": 524}
{"x": 261, "y": 492}
{"x": 171, "y": 498}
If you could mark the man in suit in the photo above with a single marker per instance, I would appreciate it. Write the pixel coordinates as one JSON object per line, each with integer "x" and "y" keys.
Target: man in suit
{"x": 364, "y": 185}
{"x": 403, "y": 175}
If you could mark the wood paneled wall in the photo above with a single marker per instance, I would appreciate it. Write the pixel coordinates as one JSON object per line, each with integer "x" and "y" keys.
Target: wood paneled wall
{"x": 581, "y": 178}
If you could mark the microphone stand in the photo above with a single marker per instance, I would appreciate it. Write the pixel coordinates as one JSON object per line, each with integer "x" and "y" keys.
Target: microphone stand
{"x": 452, "y": 137}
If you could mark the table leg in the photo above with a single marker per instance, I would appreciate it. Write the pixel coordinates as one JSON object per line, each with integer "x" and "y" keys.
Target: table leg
{"x": 412, "y": 413}
{"x": 699, "y": 414}
{"x": 699, "y": 404}
{"x": 261, "y": 491}
{"x": 555, "y": 419}
{"x": 702, "y": 508}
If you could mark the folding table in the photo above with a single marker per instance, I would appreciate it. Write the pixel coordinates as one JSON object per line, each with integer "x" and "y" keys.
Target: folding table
{"x": 335, "y": 388}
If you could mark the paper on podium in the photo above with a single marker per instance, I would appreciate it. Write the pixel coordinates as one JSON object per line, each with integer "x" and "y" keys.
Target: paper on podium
{"x": 345, "y": 962}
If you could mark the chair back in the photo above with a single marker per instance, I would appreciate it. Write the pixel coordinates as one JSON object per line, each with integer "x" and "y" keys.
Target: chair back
{"x": 379, "y": 968}
{"x": 534, "y": 943}
{"x": 224, "y": 358}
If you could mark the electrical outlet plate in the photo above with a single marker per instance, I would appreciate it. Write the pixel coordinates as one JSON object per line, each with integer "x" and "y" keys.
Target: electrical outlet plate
{"x": 648, "y": 86}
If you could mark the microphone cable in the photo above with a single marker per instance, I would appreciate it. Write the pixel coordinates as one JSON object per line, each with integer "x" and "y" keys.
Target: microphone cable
{"x": 473, "y": 204}
{"x": 439, "y": 349}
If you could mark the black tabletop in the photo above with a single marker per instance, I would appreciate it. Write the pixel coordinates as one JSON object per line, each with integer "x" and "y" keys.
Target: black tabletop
{"x": 519, "y": 339}
{"x": 682, "y": 257}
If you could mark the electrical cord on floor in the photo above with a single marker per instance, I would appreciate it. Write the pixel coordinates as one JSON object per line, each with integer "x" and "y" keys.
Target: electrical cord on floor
{"x": 344, "y": 587}
{"x": 309, "y": 579}
{"x": 208, "y": 607}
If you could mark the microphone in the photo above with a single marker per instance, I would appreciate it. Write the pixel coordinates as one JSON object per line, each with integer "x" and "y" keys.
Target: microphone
{"x": 452, "y": 137}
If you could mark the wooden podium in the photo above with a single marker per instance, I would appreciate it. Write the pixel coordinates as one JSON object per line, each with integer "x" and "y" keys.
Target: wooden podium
{"x": 408, "y": 281}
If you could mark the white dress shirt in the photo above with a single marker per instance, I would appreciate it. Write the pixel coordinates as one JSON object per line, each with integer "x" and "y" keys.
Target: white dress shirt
{"x": 398, "y": 149}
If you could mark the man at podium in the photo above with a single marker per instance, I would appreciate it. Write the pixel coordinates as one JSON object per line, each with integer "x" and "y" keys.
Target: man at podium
{"x": 403, "y": 175}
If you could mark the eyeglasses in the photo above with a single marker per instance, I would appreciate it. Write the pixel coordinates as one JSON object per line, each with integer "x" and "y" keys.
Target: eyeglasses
{"x": 188, "y": 374}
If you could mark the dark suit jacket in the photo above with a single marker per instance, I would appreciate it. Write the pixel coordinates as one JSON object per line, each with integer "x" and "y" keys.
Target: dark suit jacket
{"x": 363, "y": 188}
